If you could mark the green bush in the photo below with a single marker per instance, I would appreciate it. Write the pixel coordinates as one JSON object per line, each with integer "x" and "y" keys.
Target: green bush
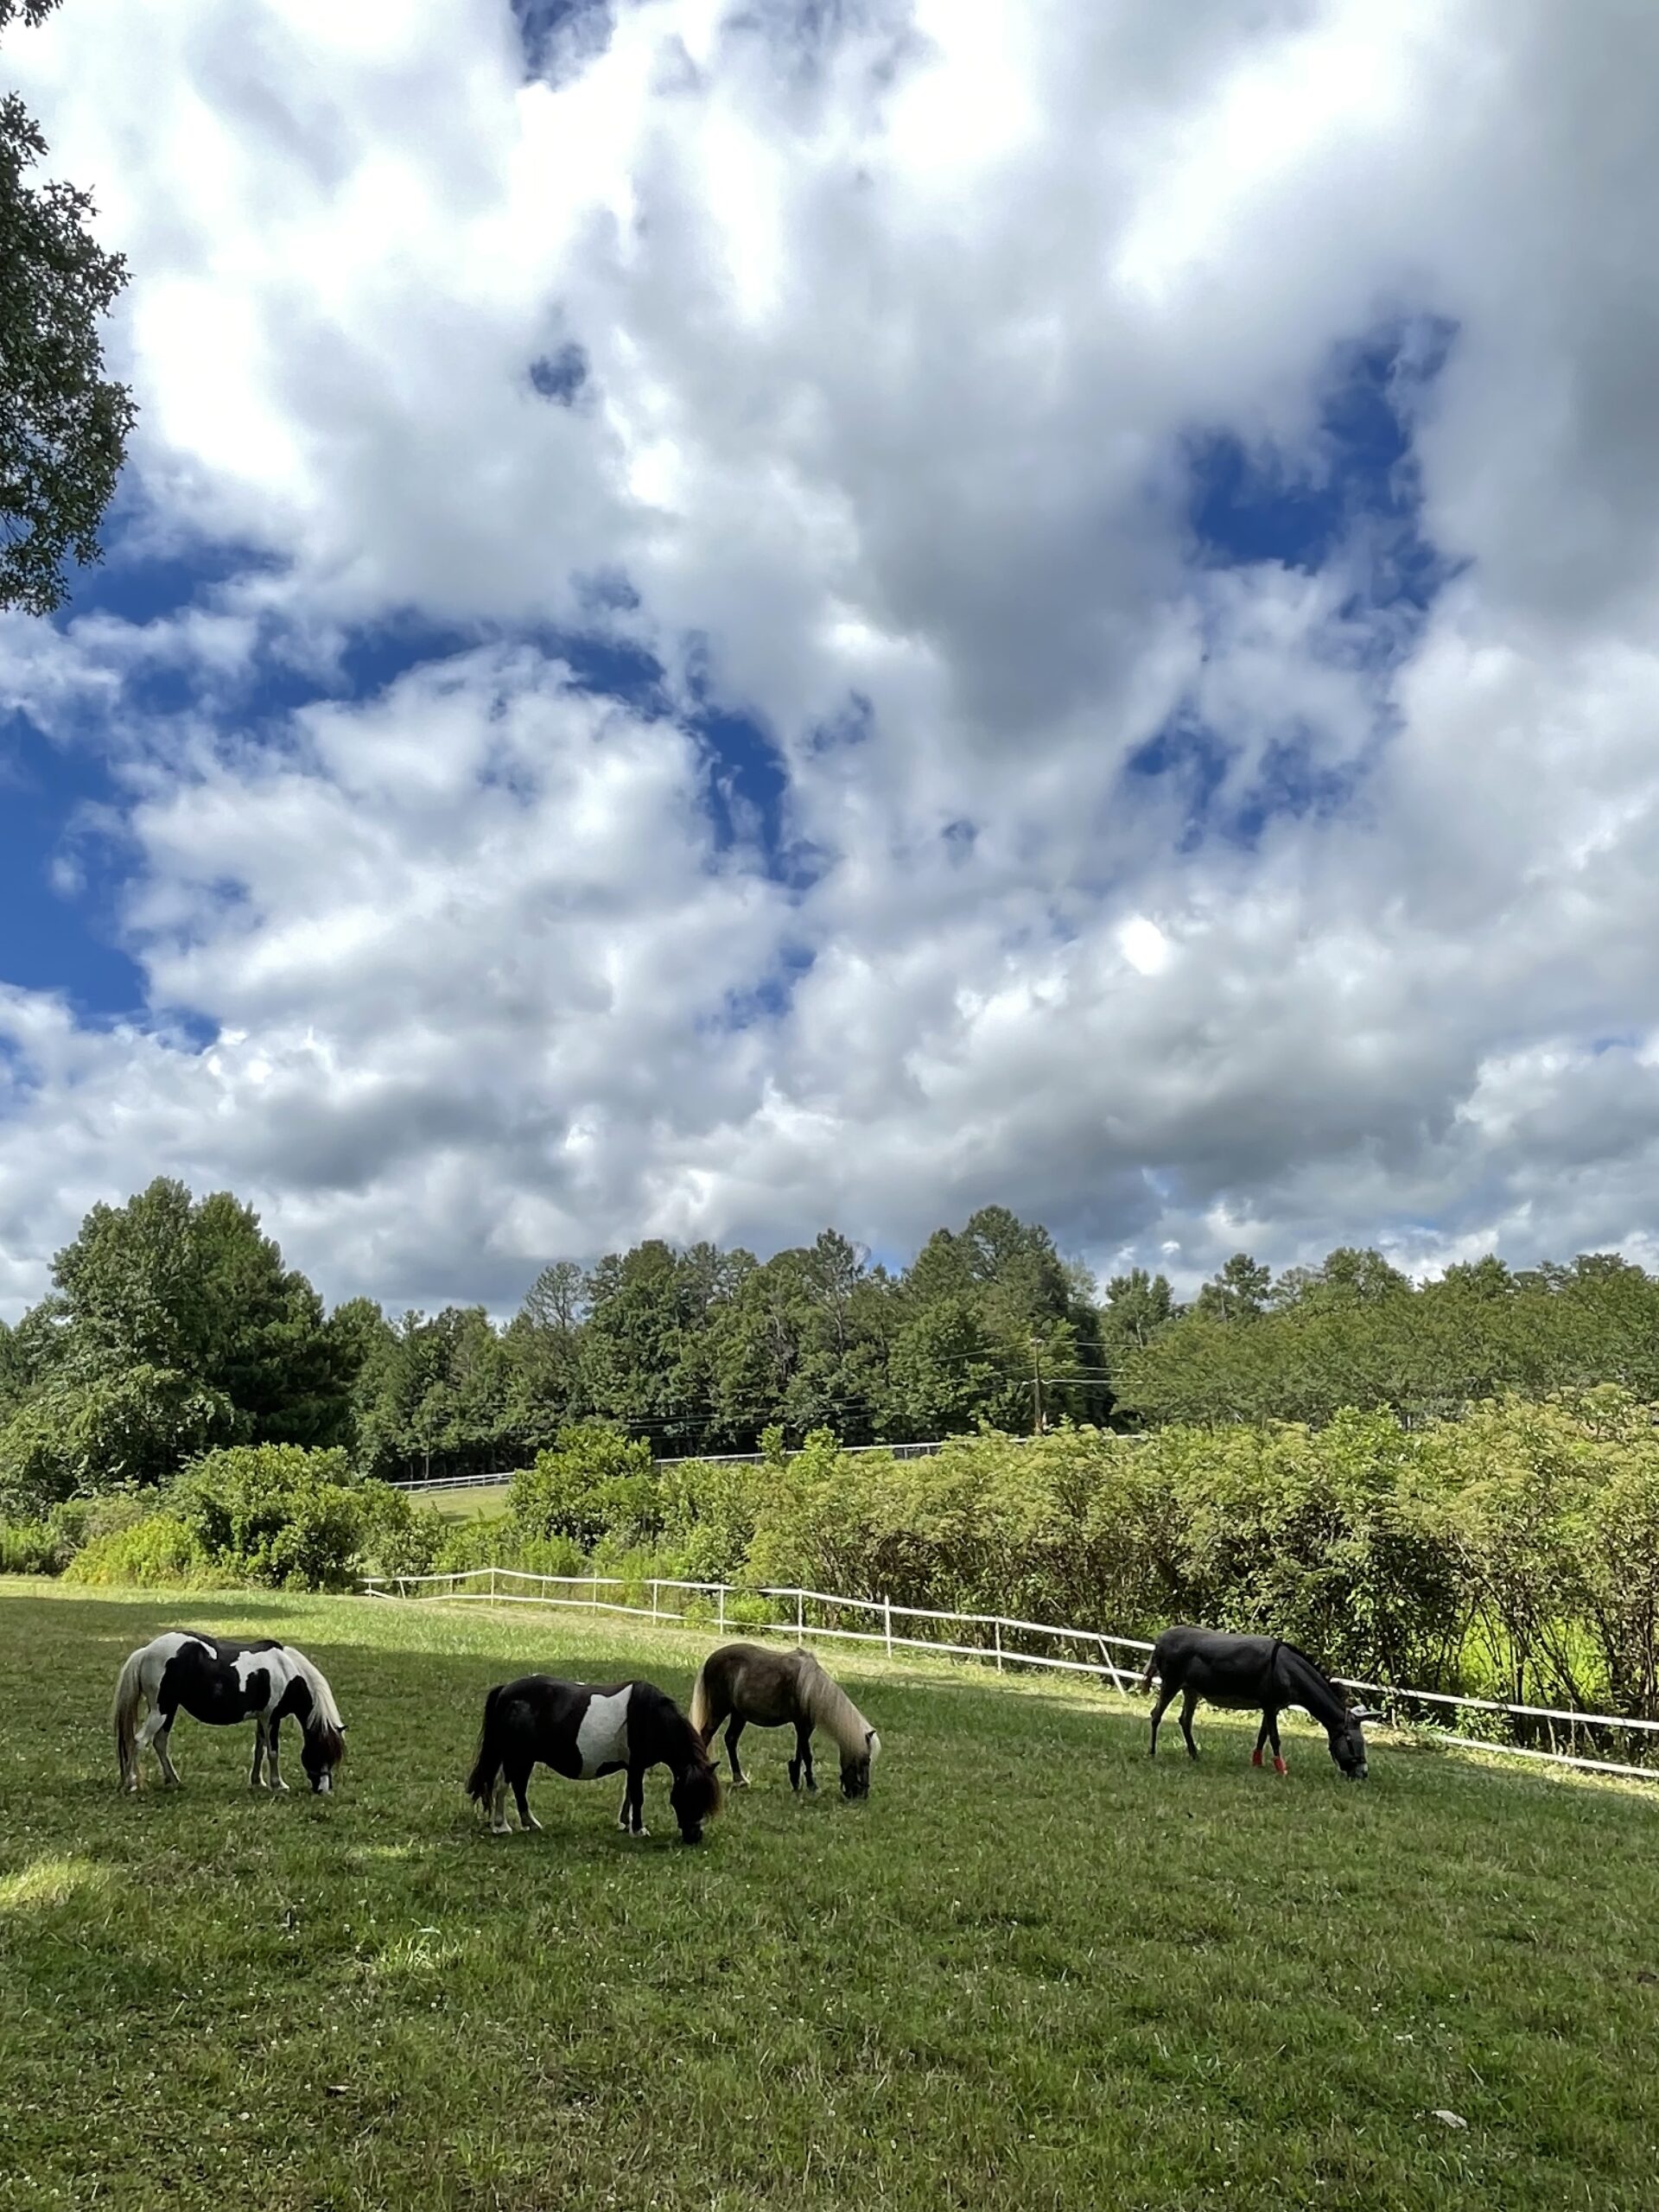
{"x": 161, "y": 1552}
{"x": 594, "y": 1482}
{"x": 31, "y": 1547}
{"x": 282, "y": 1515}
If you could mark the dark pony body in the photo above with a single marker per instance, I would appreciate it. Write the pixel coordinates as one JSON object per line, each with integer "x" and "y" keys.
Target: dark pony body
{"x": 782, "y": 1689}
{"x": 1252, "y": 1674}
{"x": 224, "y": 1683}
{"x": 582, "y": 1733}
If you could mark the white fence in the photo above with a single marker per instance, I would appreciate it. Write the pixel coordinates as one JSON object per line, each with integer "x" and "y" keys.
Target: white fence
{"x": 922, "y": 1450}
{"x": 999, "y": 1642}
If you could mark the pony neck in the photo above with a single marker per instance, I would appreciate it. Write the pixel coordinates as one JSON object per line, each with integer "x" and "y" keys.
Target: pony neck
{"x": 1314, "y": 1690}
{"x": 683, "y": 1753}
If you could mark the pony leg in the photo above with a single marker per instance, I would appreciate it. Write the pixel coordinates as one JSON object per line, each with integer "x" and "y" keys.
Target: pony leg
{"x": 1166, "y": 1694}
{"x": 499, "y": 1805}
{"x": 152, "y": 1734}
{"x": 274, "y": 1745}
{"x": 169, "y": 1772}
{"x": 632, "y": 1818}
{"x": 1261, "y": 1739}
{"x": 800, "y": 1767}
{"x": 261, "y": 1743}
{"x": 1278, "y": 1766}
{"x": 740, "y": 1780}
{"x": 526, "y": 1818}
{"x": 1189, "y": 1707}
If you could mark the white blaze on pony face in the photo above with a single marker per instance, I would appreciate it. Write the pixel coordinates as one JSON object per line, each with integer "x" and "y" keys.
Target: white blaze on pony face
{"x": 602, "y": 1738}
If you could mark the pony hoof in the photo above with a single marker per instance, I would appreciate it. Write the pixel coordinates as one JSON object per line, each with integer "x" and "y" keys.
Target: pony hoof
{"x": 639, "y": 1835}
{"x": 530, "y": 1821}
{"x": 1279, "y": 1767}
{"x": 741, "y": 1781}
{"x": 502, "y": 1830}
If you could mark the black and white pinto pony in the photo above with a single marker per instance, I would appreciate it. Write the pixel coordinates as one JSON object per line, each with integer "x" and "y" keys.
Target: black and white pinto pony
{"x": 782, "y": 1689}
{"x": 581, "y": 1733}
{"x": 1252, "y": 1674}
{"x": 224, "y": 1684}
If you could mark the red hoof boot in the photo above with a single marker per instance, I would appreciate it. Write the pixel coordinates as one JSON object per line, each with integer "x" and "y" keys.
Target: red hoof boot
{"x": 1278, "y": 1766}
{"x": 1255, "y": 1755}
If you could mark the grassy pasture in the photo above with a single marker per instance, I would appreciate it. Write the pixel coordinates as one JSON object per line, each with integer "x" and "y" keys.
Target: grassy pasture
{"x": 471, "y": 1502}
{"x": 1033, "y": 1971}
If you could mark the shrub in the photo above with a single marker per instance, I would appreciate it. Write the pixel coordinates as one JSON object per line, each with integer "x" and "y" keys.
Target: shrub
{"x": 593, "y": 1483}
{"x": 280, "y": 1514}
{"x": 30, "y": 1547}
{"x": 162, "y": 1551}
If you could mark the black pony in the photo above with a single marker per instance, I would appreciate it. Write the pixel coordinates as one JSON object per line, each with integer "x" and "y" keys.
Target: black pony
{"x": 1252, "y": 1673}
{"x": 583, "y": 1732}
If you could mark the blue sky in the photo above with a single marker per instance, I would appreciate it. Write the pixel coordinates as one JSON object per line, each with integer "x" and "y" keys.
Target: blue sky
{"x": 725, "y": 620}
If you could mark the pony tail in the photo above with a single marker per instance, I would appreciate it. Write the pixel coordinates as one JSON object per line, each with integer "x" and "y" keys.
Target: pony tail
{"x": 481, "y": 1781}
{"x": 129, "y": 1696}
{"x": 701, "y": 1703}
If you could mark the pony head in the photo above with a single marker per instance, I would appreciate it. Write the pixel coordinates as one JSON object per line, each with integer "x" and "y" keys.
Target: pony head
{"x": 1348, "y": 1743}
{"x": 856, "y": 1771}
{"x": 320, "y": 1753}
{"x": 695, "y": 1796}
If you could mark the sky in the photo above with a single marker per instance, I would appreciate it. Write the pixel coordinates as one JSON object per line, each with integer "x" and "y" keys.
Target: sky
{"x": 727, "y": 618}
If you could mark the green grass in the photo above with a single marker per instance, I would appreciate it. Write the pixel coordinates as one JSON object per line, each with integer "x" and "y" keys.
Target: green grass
{"x": 1033, "y": 1971}
{"x": 474, "y": 1501}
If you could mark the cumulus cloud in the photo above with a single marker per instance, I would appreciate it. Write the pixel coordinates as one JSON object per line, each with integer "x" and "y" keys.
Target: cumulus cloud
{"x": 1184, "y": 891}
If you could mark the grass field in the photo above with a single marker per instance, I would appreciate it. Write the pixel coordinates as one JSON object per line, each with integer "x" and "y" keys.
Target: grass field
{"x": 479, "y": 1501}
{"x": 1032, "y": 1971}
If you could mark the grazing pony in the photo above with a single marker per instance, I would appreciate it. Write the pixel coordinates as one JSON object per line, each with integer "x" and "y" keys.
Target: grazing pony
{"x": 224, "y": 1683}
{"x": 583, "y": 1732}
{"x": 775, "y": 1690}
{"x": 1246, "y": 1673}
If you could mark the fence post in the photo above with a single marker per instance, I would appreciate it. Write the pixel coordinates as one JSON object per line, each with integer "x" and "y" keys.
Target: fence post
{"x": 997, "y": 1631}
{"x": 653, "y": 1598}
{"x": 592, "y": 1589}
{"x": 887, "y": 1615}
{"x": 722, "y": 1608}
{"x": 799, "y": 1616}
{"x": 492, "y": 1581}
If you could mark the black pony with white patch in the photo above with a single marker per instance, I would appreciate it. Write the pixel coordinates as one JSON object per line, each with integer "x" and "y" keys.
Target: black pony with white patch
{"x": 582, "y": 1733}
{"x": 224, "y": 1684}
{"x": 1252, "y": 1674}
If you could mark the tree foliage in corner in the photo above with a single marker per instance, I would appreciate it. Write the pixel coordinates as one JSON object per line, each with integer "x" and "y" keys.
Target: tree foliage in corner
{"x": 63, "y": 423}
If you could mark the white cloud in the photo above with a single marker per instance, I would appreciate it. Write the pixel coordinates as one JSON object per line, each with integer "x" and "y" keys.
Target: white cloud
{"x": 896, "y": 321}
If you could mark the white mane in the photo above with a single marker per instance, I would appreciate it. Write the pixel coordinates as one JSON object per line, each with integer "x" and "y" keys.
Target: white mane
{"x": 834, "y": 1712}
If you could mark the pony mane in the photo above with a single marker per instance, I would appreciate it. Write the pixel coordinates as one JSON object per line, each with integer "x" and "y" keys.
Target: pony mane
{"x": 1297, "y": 1652}
{"x": 829, "y": 1707}
{"x": 325, "y": 1714}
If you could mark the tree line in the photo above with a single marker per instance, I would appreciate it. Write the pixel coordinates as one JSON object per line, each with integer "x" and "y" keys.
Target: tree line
{"x": 174, "y": 1327}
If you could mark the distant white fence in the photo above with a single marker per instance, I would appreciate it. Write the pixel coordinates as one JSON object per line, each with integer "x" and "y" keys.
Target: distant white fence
{"x": 924, "y": 1451}
{"x": 1001, "y": 1639}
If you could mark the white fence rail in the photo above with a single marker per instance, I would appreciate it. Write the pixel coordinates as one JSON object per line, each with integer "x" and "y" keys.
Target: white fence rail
{"x": 998, "y": 1645}
{"x": 921, "y": 1451}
